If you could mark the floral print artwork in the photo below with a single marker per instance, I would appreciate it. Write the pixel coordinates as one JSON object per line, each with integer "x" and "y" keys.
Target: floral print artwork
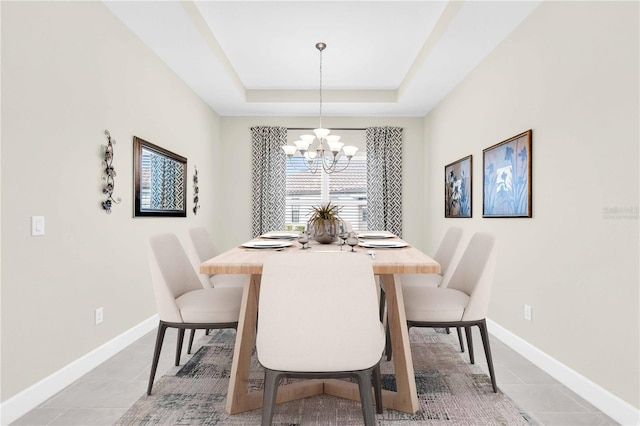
{"x": 507, "y": 174}
{"x": 457, "y": 188}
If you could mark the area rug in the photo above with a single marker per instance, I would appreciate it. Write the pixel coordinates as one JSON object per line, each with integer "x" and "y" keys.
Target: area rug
{"x": 450, "y": 390}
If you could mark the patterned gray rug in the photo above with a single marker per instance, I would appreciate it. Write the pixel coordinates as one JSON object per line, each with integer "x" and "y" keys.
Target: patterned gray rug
{"x": 450, "y": 390}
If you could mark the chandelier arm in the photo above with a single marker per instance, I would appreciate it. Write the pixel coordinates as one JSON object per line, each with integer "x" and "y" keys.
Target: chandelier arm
{"x": 345, "y": 166}
{"x": 309, "y": 166}
{"x": 335, "y": 164}
{"x": 328, "y": 169}
{"x": 314, "y": 166}
{"x": 331, "y": 168}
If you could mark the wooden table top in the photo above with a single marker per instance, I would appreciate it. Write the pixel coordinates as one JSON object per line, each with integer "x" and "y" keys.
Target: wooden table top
{"x": 405, "y": 260}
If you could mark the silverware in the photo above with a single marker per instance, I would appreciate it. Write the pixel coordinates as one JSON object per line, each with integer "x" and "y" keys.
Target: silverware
{"x": 373, "y": 254}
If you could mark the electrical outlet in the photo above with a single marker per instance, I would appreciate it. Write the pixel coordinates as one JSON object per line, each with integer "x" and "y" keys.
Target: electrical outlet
{"x": 99, "y": 314}
{"x": 527, "y": 312}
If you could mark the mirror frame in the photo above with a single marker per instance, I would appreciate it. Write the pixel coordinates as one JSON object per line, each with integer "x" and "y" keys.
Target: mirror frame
{"x": 138, "y": 145}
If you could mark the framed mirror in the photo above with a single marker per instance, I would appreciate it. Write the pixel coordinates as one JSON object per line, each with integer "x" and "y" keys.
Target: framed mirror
{"x": 160, "y": 181}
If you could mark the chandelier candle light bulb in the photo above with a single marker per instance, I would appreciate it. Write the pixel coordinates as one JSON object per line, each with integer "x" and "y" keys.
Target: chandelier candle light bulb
{"x": 325, "y": 140}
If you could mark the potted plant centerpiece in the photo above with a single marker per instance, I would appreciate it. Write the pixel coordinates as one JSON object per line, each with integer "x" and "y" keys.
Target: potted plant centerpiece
{"x": 325, "y": 224}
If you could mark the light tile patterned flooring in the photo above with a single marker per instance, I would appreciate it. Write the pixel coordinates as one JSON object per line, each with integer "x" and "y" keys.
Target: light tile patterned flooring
{"x": 101, "y": 396}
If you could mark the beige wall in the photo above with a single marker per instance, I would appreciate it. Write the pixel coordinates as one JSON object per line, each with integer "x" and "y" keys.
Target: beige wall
{"x": 70, "y": 70}
{"x": 570, "y": 73}
{"x": 236, "y": 195}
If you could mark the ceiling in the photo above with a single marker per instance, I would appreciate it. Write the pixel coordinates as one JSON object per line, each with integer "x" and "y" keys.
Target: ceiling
{"x": 383, "y": 58}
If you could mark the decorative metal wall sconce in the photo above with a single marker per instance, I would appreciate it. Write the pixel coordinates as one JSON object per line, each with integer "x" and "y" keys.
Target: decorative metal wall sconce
{"x": 109, "y": 173}
{"x": 196, "y": 191}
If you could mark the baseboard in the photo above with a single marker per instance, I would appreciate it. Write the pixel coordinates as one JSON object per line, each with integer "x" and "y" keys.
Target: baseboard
{"x": 611, "y": 405}
{"x": 20, "y": 404}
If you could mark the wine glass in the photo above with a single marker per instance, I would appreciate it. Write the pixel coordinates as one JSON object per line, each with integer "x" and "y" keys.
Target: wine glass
{"x": 303, "y": 238}
{"x": 352, "y": 240}
{"x": 343, "y": 235}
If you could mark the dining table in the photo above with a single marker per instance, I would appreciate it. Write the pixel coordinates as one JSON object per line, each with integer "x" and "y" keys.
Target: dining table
{"x": 389, "y": 256}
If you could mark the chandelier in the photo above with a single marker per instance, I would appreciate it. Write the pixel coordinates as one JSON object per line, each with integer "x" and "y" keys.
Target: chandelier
{"x": 326, "y": 147}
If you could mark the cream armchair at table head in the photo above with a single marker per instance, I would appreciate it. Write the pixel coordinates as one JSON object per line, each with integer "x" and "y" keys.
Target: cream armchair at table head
{"x": 181, "y": 301}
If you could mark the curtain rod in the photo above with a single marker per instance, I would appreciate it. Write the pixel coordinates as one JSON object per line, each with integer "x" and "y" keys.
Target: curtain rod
{"x": 332, "y": 129}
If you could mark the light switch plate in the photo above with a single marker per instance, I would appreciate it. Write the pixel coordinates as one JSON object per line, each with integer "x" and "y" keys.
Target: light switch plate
{"x": 37, "y": 225}
{"x": 527, "y": 312}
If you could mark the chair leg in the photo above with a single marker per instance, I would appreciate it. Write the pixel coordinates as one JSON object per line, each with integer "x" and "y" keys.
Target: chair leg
{"x": 383, "y": 298}
{"x": 193, "y": 332}
{"x": 460, "y": 339}
{"x": 269, "y": 394}
{"x": 179, "y": 345}
{"x": 467, "y": 331}
{"x": 387, "y": 343}
{"x": 162, "y": 328}
{"x": 364, "y": 385}
{"x": 482, "y": 325}
{"x": 377, "y": 388}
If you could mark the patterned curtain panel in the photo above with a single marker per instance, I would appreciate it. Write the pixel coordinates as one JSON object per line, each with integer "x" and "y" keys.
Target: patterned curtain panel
{"x": 167, "y": 181}
{"x": 269, "y": 179}
{"x": 384, "y": 179}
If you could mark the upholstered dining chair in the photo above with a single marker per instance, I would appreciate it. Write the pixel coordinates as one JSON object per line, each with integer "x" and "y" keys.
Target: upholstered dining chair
{"x": 181, "y": 301}
{"x": 318, "y": 317}
{"x": 444, "y": 256}
{"x": 201, "y": 248}
{"x": 464, "y": 302}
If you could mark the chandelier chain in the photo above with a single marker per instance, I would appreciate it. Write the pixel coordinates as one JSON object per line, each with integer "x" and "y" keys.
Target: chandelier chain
{"x": 320, "y": 87}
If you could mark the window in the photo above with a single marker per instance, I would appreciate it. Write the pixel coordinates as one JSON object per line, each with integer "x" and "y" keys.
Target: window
{"x": 295, "y": 214}
{"x": 347, "y": 188}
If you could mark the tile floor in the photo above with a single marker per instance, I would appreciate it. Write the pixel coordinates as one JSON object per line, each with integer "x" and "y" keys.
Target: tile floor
{"x": 101, "y": 396}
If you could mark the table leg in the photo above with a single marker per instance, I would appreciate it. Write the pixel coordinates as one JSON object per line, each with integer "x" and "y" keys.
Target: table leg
{"x": 406, "y": 397}
{"x": 238, "y": 399}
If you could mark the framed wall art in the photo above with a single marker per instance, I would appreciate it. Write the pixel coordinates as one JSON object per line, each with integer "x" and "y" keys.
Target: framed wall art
{"x": 507, "y": 178}
{"x": 160, "y": 181}
{"x": 457, "y": 188}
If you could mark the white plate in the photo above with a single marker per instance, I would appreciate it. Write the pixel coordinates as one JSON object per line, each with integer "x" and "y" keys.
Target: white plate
{"x": 266, "y": 244}
{"x": 374, "y": 235}
{"x": 383, "y": 244}
{"x": 280, "y": 235}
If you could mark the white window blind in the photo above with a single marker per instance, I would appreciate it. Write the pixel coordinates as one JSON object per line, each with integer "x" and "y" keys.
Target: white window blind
{"x": 347, "y": 189}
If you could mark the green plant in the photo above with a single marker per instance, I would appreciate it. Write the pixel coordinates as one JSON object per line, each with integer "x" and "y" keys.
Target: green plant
{"x": 324, "y": 212}
{"x": 324, "y": 222}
